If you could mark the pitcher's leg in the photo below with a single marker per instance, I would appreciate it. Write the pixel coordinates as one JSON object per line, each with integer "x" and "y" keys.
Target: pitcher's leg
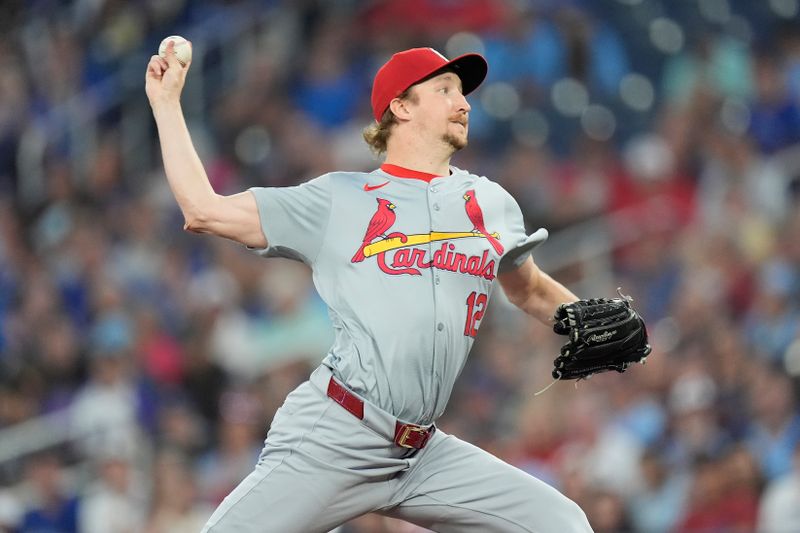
{"x": 320, "y": 467}
{"x": 262, "y": 502}
{"x": 289, "y": 493}
{"x": 457, "y": 487}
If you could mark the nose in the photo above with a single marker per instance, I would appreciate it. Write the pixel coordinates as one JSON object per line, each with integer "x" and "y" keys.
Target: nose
{"x": 462, "y": 104}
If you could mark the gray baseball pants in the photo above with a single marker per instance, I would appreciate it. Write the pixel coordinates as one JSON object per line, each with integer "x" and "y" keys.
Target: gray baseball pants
{"x": 321, "y": 466}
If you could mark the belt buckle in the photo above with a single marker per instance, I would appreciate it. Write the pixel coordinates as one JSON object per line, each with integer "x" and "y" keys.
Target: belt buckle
{"x": 408, "y": 430}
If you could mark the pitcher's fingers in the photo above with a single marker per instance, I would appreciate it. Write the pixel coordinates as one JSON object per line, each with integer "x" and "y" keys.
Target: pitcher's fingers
{"x": 172, "y": 59}
{"x": 162, "y": 62}
{"x": 155, "y": 68}
{"x": 160, "y": 65}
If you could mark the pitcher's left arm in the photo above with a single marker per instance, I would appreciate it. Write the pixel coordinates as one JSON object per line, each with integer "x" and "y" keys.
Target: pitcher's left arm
{"x": 534, "y": 291}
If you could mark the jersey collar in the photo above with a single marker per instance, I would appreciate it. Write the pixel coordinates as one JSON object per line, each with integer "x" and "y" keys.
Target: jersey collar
{"x": 402, "y": 172}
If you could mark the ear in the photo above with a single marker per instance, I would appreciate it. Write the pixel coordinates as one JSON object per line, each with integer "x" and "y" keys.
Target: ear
{"x": 400, "y": 109}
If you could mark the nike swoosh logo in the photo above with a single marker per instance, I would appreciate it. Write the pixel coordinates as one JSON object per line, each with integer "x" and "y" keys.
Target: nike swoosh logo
{"x": 368, "y": 187}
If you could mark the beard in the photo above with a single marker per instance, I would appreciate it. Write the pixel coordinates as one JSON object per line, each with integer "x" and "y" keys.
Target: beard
{"x": 456, "y": 142}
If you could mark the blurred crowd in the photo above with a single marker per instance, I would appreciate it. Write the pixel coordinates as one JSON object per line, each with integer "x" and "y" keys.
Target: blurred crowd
{"x": 155, "y": 359}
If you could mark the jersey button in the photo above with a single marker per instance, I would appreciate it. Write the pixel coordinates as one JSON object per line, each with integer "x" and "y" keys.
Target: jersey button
{"x": 435, "y": 207}
{"x": 440, "y": 326}
{"x": 434, "y": 188}
{"x": 436, "y": 280}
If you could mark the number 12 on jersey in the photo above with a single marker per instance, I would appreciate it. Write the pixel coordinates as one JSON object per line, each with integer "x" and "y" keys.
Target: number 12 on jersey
{"x": 476, "y": 306}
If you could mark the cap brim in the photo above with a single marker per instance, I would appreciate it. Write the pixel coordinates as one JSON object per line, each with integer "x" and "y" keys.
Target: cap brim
{"x": 471, "y": 68}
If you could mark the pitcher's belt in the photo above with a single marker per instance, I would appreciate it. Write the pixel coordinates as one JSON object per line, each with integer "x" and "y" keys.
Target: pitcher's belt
{"x": 401, "y": 433}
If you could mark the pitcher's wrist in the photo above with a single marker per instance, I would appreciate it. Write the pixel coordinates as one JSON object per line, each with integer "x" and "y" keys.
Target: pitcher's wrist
{"x": 165, "y": 107}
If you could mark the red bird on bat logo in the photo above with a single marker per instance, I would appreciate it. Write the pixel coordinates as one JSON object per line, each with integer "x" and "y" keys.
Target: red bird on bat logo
{"x": 381, "y": 221}
{"x": 476, "y": 217}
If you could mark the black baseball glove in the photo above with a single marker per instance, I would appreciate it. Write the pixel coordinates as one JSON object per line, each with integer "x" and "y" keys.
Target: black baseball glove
{"x": 604, "y": 334}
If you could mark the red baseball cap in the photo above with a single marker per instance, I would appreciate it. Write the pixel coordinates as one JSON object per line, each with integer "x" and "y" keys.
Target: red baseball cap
{"x": 406, "y": 68}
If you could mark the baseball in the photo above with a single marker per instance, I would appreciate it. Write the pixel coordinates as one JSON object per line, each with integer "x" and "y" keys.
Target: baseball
{"x": 183, "y": 50}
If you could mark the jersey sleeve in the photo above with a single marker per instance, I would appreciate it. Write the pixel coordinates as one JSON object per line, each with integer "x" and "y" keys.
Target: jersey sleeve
{"x": 294, "y": 219}
{"x": 522, "y": 244}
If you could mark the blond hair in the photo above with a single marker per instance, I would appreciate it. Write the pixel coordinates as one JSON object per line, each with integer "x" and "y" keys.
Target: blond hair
{"x": 377, "y": 134}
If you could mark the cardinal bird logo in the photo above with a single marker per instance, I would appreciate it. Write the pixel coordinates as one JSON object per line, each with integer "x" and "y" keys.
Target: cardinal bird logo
{"x": 476, "y": 217}
{"x": 381, "y": 221}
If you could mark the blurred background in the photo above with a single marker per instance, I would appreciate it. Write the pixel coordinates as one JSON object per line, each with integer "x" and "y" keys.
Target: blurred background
{"x": 658, "y": 141}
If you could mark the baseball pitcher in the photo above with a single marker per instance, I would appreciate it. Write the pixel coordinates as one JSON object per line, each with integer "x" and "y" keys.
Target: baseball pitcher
{"x": 405, "y": 258}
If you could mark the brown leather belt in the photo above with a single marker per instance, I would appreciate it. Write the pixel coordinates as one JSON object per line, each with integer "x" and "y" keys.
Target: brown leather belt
{"x": 405, "y": 435}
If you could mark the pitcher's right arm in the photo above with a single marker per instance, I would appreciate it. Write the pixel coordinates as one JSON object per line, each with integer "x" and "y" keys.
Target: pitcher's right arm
{"x": 234, "y": 217}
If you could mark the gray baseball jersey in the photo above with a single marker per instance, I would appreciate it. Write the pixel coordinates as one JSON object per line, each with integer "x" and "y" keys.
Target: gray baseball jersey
{"x": 406, "y": 268}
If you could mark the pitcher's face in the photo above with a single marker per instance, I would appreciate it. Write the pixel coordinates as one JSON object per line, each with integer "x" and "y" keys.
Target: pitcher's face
{"x": 441, "y": 112}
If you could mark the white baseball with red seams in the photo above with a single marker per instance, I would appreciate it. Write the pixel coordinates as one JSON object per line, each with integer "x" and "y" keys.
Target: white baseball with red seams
{"x": 183, "y": 48}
